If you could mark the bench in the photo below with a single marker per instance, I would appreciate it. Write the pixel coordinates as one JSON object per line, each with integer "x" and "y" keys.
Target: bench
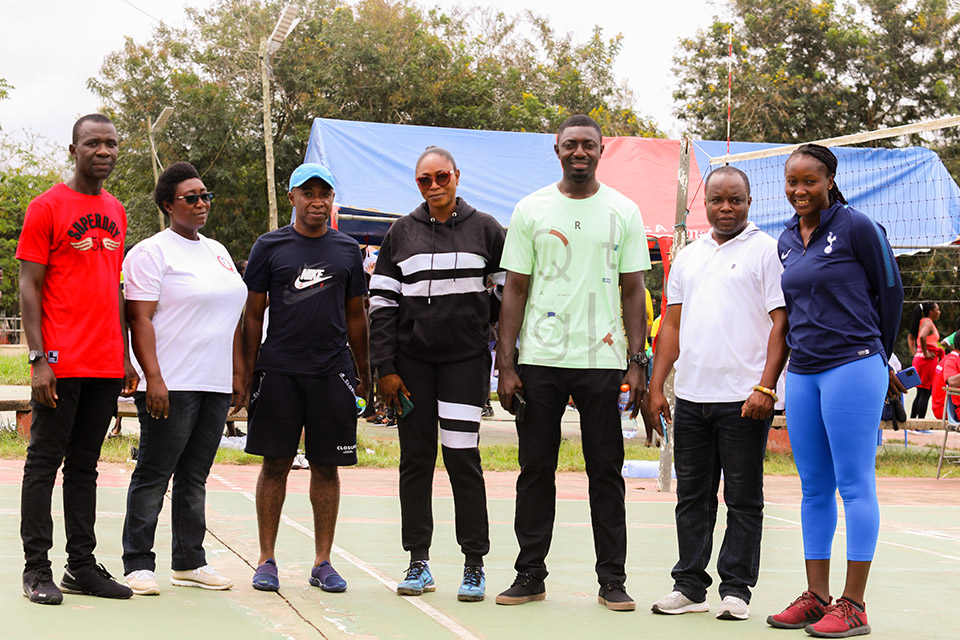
{"x": 124, "y": 410}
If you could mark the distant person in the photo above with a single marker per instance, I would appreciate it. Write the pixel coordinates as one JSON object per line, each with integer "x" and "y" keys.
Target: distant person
{"x": 70, "y": 252}
{"x": 430, "y": 315}
{"x": 575, "y": 255}
{"x": 184, "y": 299}
{"x": 844, "y": 299}
{"x": 304, "y": 378}
{"x": 724, "y": 299}
{"x": 928, "y": 353}
{"x": 947, "y": 373}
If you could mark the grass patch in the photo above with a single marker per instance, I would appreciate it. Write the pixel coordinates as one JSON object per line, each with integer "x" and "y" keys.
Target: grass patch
{"x": 384, "y": 453}
{"x": 14, "y": 369}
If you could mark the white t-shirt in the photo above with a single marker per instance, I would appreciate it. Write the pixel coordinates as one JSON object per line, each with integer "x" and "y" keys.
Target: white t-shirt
{"x": 727, "y": 292}
{"x": 199, "y": 298}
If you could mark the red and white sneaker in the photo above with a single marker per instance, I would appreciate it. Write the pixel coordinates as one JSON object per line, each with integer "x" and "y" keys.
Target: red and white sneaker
{"x": 842, "y": 620}
{"x": 803, "y": 611}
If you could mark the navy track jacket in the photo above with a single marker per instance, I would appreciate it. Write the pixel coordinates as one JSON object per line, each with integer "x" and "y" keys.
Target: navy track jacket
{"x": 843, "y": 291}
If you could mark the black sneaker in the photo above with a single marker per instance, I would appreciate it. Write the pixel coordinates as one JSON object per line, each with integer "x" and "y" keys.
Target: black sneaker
{"x": 93, "y": 580}
{"x": 614, "y": 596}
{"x": 525, "y": 588}
{"x": 38, "y": 586}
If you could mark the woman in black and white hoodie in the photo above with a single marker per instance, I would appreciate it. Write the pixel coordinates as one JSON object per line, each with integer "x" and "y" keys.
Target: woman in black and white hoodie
{"x": 430, "y": 315}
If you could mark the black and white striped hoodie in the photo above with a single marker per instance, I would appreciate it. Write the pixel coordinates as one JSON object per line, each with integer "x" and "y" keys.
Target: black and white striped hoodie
{"x": 428, "y": 294}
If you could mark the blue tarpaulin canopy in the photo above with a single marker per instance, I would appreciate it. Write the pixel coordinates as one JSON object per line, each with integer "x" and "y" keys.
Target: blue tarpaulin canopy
{"x": 908, "y": 191}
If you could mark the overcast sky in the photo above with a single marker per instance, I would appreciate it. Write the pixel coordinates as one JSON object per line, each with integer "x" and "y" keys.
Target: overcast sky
{"x": 49, "y": 50}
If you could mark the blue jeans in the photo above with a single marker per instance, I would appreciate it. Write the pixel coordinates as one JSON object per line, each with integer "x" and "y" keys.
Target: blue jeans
{"x": 182, "y": 446}
{"x": 708, "y": 438}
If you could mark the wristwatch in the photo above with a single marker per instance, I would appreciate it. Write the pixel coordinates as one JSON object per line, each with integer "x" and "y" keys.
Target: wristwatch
{"x": 640, "y": 358}
{"x": 33, "y": 356}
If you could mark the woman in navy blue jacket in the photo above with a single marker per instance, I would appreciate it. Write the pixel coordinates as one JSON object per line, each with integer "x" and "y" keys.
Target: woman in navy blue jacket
{"x": 844, "y": 299}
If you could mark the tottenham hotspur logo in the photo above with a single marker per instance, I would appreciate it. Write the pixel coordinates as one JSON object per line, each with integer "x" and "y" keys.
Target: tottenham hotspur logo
{"x": 830, "y": 240}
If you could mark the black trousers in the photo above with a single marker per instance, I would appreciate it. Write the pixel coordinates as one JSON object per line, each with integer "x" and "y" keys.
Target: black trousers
{"x": 546, "y": 390}
{"x": 71, "y": 434}
{"x": 453, "y": 394}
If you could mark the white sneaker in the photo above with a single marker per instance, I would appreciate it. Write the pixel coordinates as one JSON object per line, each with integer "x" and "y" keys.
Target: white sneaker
{"x": 676, "y": 603}
{"x": 143, "y": 582}
{"x": 205, "y": 577}
{"x": 733, "y": 608}
{"x": 300, "y": 462}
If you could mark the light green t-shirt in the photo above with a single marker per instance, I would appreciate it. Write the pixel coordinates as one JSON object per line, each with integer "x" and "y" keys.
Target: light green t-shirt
{"x": 574, "y": 251}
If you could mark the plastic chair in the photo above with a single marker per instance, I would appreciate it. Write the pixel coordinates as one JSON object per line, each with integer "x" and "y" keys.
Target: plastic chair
{"x": 950, "y": 423}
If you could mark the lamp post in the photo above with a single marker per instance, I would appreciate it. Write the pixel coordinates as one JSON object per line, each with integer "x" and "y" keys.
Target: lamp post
{"x": 268, "y": 47}
{"x": 154, "y": 158}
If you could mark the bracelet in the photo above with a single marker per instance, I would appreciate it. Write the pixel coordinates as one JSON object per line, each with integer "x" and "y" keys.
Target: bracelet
{"x": 769, "y": 392}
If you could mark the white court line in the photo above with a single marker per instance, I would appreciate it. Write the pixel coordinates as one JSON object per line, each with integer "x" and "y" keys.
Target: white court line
{"x": 438, "y": 616}
{"x": 887, "y": 542}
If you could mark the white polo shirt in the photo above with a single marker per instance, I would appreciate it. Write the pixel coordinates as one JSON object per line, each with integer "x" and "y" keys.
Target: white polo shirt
{"x": 727, "y": 292}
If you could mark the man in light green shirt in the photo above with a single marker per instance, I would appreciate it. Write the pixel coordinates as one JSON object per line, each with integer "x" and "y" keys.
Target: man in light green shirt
{"x": 575, "y": 254}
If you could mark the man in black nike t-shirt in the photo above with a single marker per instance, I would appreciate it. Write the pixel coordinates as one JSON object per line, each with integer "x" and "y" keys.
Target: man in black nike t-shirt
{"x": 304, "y": 378}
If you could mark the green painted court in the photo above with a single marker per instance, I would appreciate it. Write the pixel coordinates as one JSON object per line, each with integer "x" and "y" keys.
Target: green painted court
{"x": 913, "y": 590}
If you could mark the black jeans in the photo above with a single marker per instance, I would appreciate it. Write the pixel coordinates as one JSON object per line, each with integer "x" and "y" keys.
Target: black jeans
{"x": 453, "y": 394}
{"x": 71, "y": 434}
{"x": 183, "y": 446}
{"x": 546, "y": 390}
{"x": 708, "y": 438}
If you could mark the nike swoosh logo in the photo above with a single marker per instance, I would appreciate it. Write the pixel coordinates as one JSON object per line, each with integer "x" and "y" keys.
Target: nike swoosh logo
{"x": 304, "y": 284}
{"x": 783, "y": 256}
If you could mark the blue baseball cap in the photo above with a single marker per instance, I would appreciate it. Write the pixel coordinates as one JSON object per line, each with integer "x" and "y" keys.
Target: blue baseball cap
{"x": 311, "y": 170}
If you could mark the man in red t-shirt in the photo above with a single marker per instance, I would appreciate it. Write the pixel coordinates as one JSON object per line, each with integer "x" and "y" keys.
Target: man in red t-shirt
{"x": 947, "y": 373}
{"x": 70, "y": 252}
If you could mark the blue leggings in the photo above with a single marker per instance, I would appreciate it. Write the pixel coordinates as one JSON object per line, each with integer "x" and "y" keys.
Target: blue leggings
{"x": 833, "y": 417}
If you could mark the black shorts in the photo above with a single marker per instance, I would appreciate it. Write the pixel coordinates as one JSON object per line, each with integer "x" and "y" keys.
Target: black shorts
{"x": 324, "y": 407}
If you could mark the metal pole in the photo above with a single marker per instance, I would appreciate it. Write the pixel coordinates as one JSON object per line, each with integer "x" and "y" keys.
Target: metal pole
{"x": 153, "y": 165}
{"x": 664, "y": 479}
{"x": 268, "y": 139}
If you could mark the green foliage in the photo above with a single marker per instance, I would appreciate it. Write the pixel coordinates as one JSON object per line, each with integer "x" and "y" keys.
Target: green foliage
{"x": 18, "y": 186}
{"x": 812, "y": 69}
{"x": 373, "y": 60}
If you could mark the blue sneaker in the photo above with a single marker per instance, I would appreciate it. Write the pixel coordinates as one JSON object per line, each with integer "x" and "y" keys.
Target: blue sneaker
{"x": 266, "y": 577}
{"x": 326, "y": 577}
{"x": 417, "y": 581}
{"x": 474, "y": 584}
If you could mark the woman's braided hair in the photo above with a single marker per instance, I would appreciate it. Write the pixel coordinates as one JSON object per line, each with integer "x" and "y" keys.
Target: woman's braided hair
{"x": 826, "y": 157}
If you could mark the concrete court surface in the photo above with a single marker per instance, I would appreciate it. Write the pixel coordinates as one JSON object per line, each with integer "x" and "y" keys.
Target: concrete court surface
{"x": 915, "y": 582}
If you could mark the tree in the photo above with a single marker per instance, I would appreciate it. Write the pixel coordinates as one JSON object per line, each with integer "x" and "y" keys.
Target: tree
{"x": 810, "y": 69}
{"x": 376, "y": 60}
{"x": 27, "y": 168}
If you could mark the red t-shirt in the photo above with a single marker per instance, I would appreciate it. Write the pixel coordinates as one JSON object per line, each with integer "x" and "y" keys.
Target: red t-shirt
{"x": 80, "y": 239}
{"x": 949, "y": 366}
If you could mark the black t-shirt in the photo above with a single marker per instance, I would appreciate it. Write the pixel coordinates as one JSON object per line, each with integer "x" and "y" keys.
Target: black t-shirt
{"x": 308, "y": 281}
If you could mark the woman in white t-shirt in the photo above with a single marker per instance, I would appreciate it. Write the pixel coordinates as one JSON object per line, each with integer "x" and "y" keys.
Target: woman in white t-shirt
{"x": 184, "y": 300}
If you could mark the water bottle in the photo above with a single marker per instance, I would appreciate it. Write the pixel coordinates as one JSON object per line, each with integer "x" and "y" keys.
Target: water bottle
{"x": 628, "y": 425}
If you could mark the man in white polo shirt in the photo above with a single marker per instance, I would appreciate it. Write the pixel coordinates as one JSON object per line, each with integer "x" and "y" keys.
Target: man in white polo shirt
{"x": 725, "y": 329}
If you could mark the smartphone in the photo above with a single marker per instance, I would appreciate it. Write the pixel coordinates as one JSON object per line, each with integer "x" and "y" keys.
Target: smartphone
{"x": 909, "y": 378}
{"x": 519, "y": 406}
{"x": 406, "y": 405}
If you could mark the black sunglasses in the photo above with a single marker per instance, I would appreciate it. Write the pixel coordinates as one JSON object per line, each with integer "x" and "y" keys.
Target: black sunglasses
{"x": 442, "y": 178}
{"x": 193, "y": 198}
